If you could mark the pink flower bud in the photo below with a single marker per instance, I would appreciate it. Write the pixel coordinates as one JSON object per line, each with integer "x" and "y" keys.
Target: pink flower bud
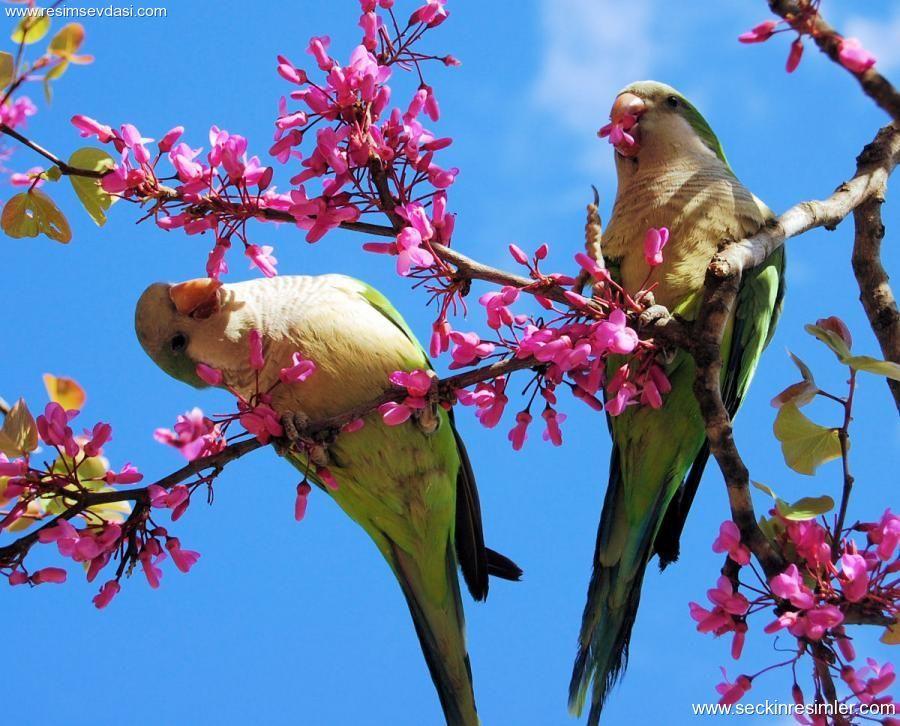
{"x": 56, "y": 575}
{"x": 208, "y": 374}
{"x": 303, "y": 490}
{"x": 794, "y": 56}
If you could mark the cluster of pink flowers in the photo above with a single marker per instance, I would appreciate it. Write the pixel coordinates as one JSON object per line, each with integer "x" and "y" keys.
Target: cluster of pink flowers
{"x": 31, "y": 493}
{"x": 851, "y": 54}
{"x": 572, "y": 347}
{"x": 811, "y": 598}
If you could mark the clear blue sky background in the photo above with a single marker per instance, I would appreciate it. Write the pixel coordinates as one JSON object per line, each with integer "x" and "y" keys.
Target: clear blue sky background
{"x": 284, "y": 623}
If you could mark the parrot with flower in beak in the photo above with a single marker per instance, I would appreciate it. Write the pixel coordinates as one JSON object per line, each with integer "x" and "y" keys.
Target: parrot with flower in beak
{"x": 672, "y": 174}
{"x": 409, "y": 486}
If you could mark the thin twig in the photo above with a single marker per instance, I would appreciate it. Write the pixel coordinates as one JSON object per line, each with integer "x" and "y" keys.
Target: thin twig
{"x": 873, "y": 84}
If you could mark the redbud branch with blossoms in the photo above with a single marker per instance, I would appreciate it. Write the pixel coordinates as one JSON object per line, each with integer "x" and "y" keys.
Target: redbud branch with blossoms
{"x": 368, "y": 160}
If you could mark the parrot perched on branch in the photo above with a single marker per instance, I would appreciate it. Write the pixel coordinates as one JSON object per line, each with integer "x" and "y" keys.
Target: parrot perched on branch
{"x": 410, "y": 487}
{"x": 671, "y": 173}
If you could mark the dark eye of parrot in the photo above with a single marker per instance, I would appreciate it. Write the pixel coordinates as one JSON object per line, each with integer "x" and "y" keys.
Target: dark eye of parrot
{"x": 672, "y": 101}
{"x": 179, "y": 342}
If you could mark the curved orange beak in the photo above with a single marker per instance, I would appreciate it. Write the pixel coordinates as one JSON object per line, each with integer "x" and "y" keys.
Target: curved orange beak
{"x": 198, "y": 298}
{"x": 623, "y": 130}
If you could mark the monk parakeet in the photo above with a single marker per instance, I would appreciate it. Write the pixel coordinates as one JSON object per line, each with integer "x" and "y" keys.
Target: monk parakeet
{"x": 410, "y": 487}
{"x": 672, "y": 173}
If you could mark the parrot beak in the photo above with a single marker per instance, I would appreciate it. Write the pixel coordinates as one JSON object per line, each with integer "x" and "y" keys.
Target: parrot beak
{"x": 198, "y": 298}
{"x": 623, "y": 131}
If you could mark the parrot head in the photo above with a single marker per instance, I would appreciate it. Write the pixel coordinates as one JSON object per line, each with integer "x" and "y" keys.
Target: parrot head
{"x": 651, "y": 121}
{"x": 181, "y": 324}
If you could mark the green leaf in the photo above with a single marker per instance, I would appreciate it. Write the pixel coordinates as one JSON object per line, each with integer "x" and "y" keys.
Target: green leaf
{"x": 95, "y": 200}
{"x": 31, "y": 29}
{"x": 805, "y": 508}
{"x": 7, "y": 69}
{"x": 804, "y": 369}
{"x": 763, "y": 488}
{"x": 831, "y": 339}
{"x": 874, "y": 365}
{"x": 30, "y": 213}
{"x": 19, "y": 433}
{"x": 804, "y": 444}
{"x": 52, "y": 174}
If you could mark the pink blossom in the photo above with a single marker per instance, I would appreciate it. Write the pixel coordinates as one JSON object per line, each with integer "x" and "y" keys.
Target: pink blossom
{"x": 127, "y": 475}
{"x": 440, "y": 337}
{"x": 518, "y": 255}
{"x": 552, "y": 419}
{"x": 194, "y": 435}
{"x": 109, "y": 590}
{"x": 56, "y": 575}
{"x": 724, "y": 596}
{"x": 417, "y": 383}
{"x": 789, "y": 586}
{"x": 729, "y": 540}
{"x": 300, "y": 504}
{"x": 16, "y": 467}
{"x": 519, "y": 433}
{"x": 592, "y": 267}
{"x": 759, "y": 33}
{"x": 394, "y": 413}
{"x": 262, "y": 422}
{"x": 654, "y": 242}
{"x": 614, "y": 335}
{"x": 53, "y": 427}
{"x": 261, "y": 257}
{"x": 89, "y": 127}
{"x": 489, "y": 399}
{"x": 323, "y": 473}
{"x": 731, "y": 693}
{"x": 318, "y": 49}
{"x": 432, "y": 13}
{"x": 208, "y": 374}
{"x": 809, "y": 538}
{"x": 468, "y": 348}
{"x": 151, "y": 571}
{"x": 853, "y": 56}
{"x": 255, "y": 343}
{"x": 216, "y": 266}
{"x": 855, "y": 578}
{"x": 497, "y": 306}
{"x": 31, "y": 178}
{"x": 299, "y": 370}
{"x": 711, "y": 621}
{"x": 885, "y": 534}
{"x": 17, "y": 578}
{"x": 184, "y": 559}
{"x": 794, "y": 56}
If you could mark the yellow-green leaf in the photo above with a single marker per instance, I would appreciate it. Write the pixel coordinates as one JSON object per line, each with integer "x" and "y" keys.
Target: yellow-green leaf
{"x": 31, "y": 213}
{"x": 31, "y": 29}
{"x": 874, "y": 365}
{"x": 95, "y": 200}
{"x": 891, "y": 634}
{"x": 7, "y": 69}
{"x": 831, "y": 339}
{"x": 19, "y": 433}
{"x": 805, "y": 508}
{"x": 52, "y": 174}
{"x": 804, "y": 444}
{"x": 64, "y": 391}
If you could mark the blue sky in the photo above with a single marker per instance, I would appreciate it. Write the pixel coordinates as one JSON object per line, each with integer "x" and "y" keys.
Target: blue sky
{"x": 287, "y": 623}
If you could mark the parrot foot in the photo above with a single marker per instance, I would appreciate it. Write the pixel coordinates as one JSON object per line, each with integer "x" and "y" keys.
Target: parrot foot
{"x": 653, "y": 314}
{"x": 299, "y": 438}
{"x": 427, "y": 419}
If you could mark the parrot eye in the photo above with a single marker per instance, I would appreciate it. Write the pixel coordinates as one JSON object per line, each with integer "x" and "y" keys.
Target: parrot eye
{"x": 672, "y": 101}
{"x": 179, "y": 342}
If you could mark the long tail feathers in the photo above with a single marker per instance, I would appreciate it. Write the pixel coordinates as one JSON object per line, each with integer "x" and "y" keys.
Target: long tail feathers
{"x": 620, "y": 560}
{"x": 441, "y": 631}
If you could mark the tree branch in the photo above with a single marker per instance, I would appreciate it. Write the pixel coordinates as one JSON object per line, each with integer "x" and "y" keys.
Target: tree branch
{"x": 445, "y": 391}
{"x": 723, "y": 278}
{"x": 874, "y": 85}
{"x": 875, "y": 292}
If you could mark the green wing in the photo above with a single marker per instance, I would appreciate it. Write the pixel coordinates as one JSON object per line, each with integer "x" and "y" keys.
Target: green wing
{"x": 476, "y": 561}
{"x": 757, "y": 309}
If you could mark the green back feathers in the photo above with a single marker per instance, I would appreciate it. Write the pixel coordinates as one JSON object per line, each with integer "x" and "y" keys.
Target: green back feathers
{"x": 700, "y": 125}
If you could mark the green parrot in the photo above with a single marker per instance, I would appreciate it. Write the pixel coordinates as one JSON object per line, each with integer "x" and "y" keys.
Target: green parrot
{"x": 671, "y": 173}
{"x": 410, "y": 487}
